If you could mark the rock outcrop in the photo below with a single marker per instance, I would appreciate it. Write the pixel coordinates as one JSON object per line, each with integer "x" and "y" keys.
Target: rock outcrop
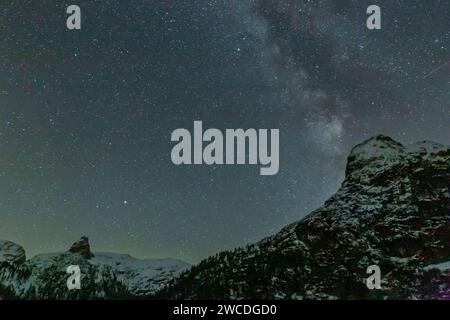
{"x": 11, "y": 253}
{"x": 82, "y": 247}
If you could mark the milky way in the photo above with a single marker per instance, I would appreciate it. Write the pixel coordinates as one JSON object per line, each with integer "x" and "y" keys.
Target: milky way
{"x": 86, "y": 116}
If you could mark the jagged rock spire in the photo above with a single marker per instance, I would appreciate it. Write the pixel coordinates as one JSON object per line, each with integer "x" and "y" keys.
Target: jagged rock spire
{"x": 82, "y": 247}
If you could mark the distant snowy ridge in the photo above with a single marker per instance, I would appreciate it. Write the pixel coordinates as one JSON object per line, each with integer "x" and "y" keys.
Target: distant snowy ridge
{"x": 104, "y": 275}
{"x": 141, "y": 276}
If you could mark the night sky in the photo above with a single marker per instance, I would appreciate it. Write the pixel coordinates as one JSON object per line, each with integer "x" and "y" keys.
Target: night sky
{"x": 86, "y": 116}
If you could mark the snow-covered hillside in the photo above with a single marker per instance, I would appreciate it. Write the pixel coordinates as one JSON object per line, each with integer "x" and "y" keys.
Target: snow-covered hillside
{"x": 141, "y": 277}
{"x": 104, "y": 275}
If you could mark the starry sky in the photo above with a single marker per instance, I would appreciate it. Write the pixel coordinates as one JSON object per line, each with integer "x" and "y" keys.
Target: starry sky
{"x": 86, "y": 116}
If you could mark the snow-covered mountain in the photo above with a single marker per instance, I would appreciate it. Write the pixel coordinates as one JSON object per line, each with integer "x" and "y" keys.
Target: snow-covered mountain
{"x": 104, "y": 275}
{"x": 392, "y": 210}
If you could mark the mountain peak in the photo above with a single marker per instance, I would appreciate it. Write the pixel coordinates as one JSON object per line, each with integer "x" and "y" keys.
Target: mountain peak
{"x": 82, "y": 247}
{"x": 377, "y": 145}
{"x": 374, "y": 155}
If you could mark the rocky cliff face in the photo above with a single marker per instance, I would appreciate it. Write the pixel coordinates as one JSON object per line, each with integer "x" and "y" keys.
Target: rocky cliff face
{"x": 392, "y": 210}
